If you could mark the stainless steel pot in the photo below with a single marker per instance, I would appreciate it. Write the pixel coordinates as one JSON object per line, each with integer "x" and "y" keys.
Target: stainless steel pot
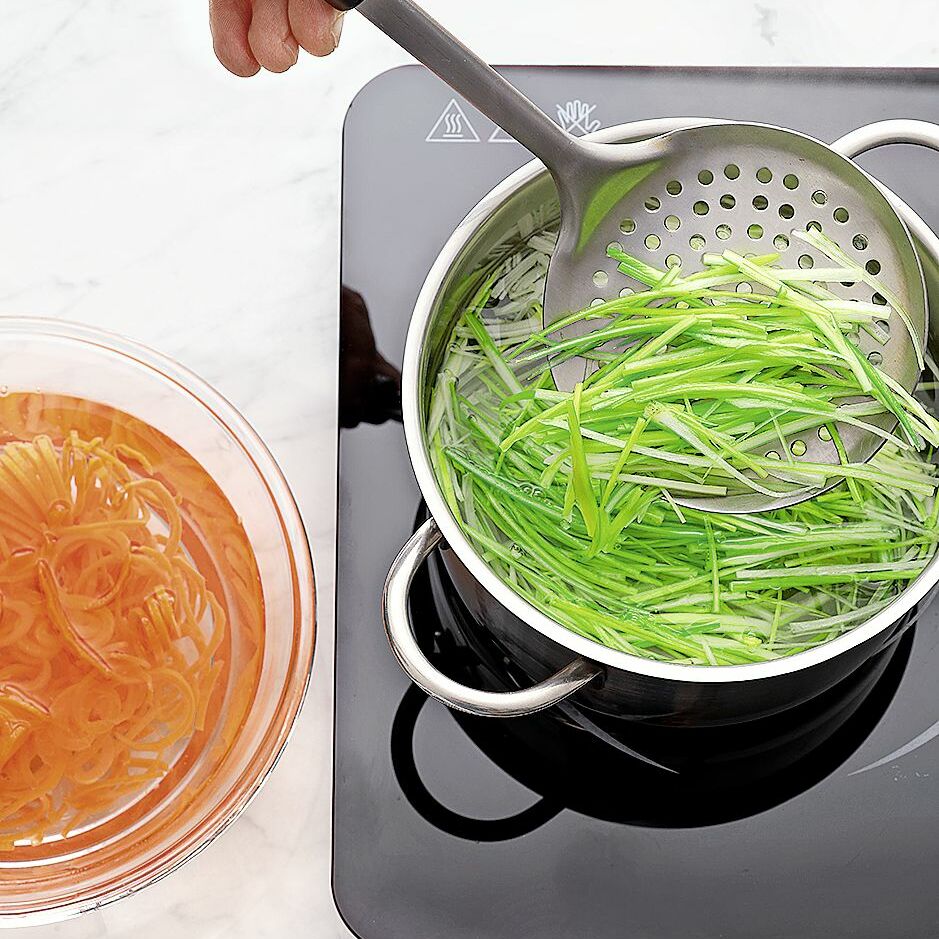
{"x": 559, "y": 662}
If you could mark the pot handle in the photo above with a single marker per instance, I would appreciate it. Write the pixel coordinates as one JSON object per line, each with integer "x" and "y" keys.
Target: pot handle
{"x": 882, "y": 133}
{"x": 905, "y": 131}
{"x": 430, "y": 679}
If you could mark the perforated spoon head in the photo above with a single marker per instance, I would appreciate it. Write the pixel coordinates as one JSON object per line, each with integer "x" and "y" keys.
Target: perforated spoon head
{"x": 745, "y": 187}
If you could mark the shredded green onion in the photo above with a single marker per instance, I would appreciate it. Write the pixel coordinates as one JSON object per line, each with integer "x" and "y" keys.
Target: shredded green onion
{"x": 700, "y": 389}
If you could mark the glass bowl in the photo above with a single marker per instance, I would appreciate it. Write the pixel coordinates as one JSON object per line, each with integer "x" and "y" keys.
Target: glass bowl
{"x": 269, "y": 656}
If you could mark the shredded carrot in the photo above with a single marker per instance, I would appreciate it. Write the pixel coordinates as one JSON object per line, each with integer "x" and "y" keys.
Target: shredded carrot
{"x": 109, "y": 634}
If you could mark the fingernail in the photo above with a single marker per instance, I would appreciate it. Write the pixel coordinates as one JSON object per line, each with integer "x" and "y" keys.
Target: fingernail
{"x": 336, "y": 29}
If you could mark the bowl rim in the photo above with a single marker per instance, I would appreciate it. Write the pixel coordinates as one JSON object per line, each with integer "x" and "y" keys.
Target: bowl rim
{"x": 238, "y": 795}
{"x": 424, "y": 310}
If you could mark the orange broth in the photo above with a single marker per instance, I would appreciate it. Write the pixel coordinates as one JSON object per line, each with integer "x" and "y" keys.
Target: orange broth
{"x": 131, "y": 616}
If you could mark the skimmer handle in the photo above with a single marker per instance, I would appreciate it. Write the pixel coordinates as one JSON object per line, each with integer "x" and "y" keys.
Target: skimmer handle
{"x": 421, "y": 35}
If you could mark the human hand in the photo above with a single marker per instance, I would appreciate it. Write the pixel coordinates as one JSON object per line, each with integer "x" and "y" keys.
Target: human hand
{"x": 252, "y": 34}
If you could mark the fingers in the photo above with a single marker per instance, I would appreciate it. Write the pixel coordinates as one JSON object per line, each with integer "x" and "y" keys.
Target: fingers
{"x": 250, "y": 34}
{"x": 230, "y": 21}
{"x": 316, "y": 25}
{"x": 269, "y": 35}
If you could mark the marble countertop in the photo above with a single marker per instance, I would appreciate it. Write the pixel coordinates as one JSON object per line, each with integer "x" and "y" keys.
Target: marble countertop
{"x": 145, "y": 190}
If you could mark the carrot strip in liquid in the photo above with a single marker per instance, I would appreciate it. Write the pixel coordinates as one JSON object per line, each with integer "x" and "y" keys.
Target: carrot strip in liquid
{"x": 108, "y": 633}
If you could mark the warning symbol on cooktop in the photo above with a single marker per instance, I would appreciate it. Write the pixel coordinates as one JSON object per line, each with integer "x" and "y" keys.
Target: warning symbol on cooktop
{"x": 453, "y": 126}
{"x": 576, "y": 117}
{"x": 500, "y": 136}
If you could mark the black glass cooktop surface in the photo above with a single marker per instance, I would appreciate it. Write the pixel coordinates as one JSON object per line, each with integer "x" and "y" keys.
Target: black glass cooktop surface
{"x": 822, "y": 822}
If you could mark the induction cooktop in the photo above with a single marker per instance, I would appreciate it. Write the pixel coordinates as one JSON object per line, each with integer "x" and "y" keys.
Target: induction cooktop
{"x": 823, "y": 822}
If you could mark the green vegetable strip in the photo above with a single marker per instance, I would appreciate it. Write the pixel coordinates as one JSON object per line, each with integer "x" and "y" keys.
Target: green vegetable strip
{"x": 580, "y": 475}
{"x": 834, "y": 252}
{"x": 571, "y": 498}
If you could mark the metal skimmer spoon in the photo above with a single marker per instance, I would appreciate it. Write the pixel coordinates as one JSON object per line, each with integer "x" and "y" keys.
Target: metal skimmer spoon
{"x": 702, "y": 188}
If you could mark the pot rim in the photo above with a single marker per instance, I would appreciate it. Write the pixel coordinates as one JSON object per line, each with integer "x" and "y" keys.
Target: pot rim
{"x": 424, "y": 309}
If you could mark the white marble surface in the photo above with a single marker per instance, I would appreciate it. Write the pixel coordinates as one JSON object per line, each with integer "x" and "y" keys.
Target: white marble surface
{"x": 145, "y": 190}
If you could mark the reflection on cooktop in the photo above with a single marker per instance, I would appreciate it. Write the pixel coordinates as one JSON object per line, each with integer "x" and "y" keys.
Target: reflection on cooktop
{"x": 678, "y": 777}
{"x": 369, "y": 385}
